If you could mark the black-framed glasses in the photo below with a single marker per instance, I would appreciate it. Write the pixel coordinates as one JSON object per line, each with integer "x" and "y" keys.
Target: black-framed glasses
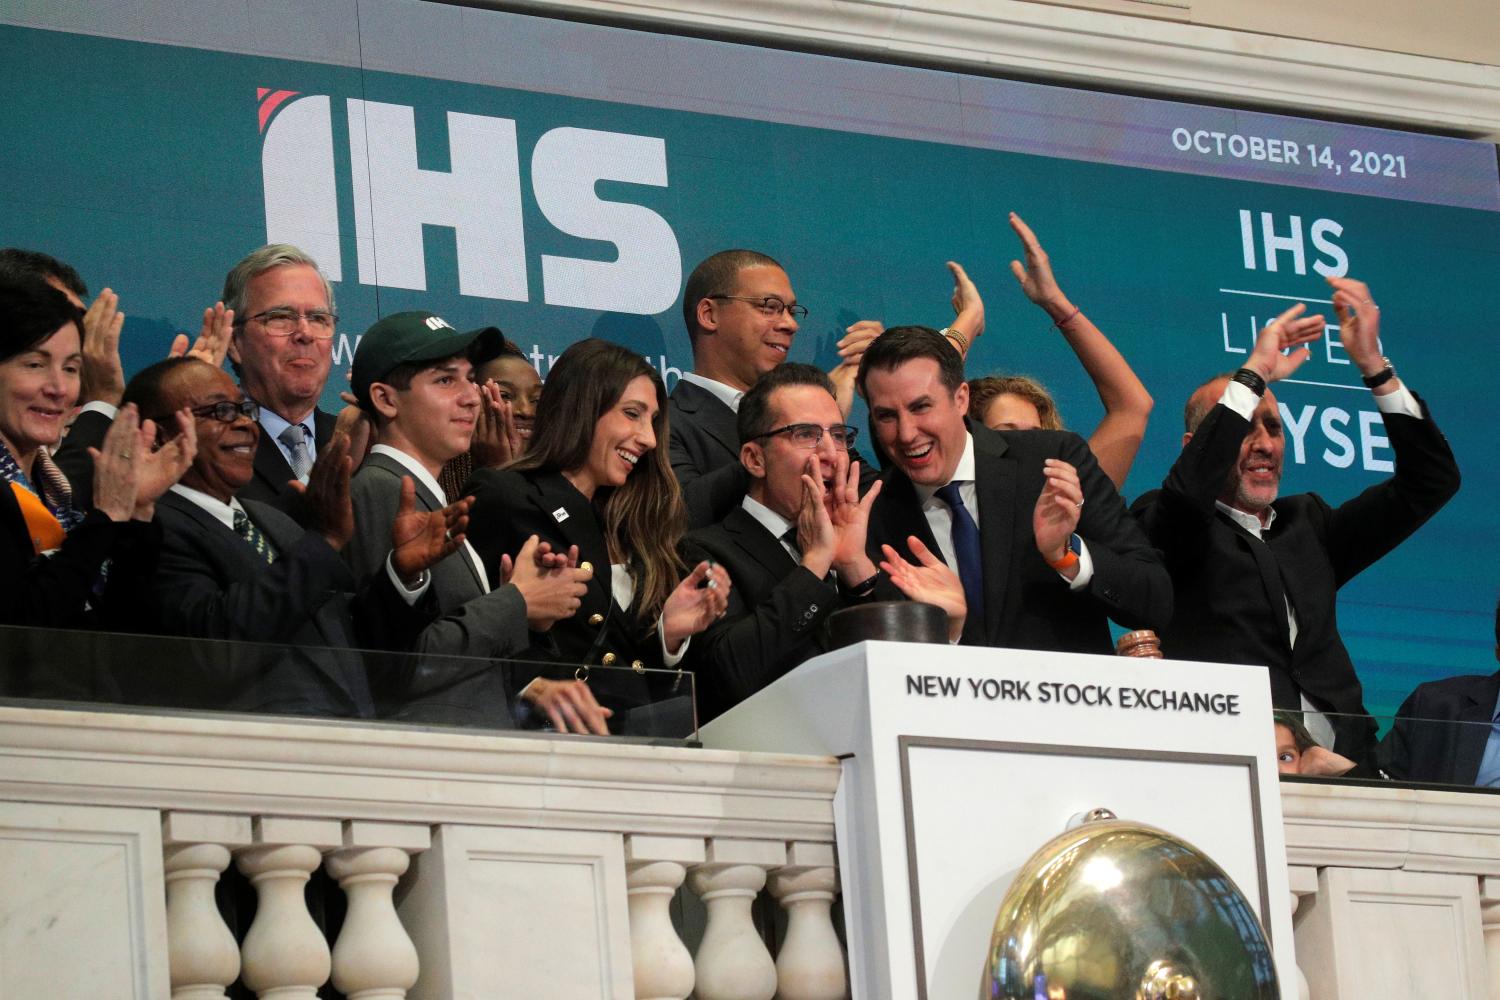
{"x": 283, "y": 321}
{"x": 769, "y": 305}
{"x": 809, "y": 436}
{"x": 226, "y": 411}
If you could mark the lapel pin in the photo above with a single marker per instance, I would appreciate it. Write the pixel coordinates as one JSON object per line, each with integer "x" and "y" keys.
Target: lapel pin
{"x": 560, "y": 515}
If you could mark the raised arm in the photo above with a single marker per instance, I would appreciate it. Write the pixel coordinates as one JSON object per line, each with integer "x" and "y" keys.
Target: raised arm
{"x": 1127, "y": 404}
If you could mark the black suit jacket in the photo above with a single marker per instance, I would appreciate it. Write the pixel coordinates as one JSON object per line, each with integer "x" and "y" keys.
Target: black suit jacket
{"x": 704, "y": 445}
{"x": 1232, "y": 590}
{"x": 1441, "y": 730}
{"x": 511, "y": 506}
{"x": 72, "y": 455}
{"x": 776, "y": 617}
{"x": 212, "y": 585}
{"x": 57, "y": 592}
{"x": 272, "y": 472}
{"x": 1027, "y": 604}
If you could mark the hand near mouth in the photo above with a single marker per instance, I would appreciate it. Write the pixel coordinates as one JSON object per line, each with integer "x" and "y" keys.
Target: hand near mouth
{"x": 497, "y": 441}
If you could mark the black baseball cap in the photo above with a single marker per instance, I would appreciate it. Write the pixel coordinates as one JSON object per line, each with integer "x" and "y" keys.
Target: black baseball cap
{"x": 402, "y": 338}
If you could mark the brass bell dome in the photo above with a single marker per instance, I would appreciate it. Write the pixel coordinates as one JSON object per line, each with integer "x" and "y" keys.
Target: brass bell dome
{"x": 1115, "y": 910}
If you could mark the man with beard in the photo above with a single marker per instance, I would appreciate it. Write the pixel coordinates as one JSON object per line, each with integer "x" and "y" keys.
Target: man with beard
{"x": 1257, "y": 577}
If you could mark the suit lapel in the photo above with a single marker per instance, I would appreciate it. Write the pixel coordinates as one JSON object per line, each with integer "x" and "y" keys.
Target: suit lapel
{"x": 1473, "y": 734}
{"x": 428, "y": 502}
{"x": 271, "y": 465}
{"x": 753, "y": 537}
{"x": 323, "y": 424}
{"x": 710, "y": 414}
{"x": 995, "y": 484}
{"x": 579, "y": 525}
{"x": 214, "y": 529}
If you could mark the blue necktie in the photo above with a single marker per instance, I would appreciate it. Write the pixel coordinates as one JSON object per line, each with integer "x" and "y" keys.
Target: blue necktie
{"x": 966, "y": 549}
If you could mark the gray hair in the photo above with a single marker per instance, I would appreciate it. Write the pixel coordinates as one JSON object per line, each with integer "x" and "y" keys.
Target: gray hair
{"x": 258, "y": 262}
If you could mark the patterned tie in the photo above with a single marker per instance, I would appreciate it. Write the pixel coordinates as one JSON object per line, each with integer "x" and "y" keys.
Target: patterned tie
{"x": 246, "y": 529}
{"x": 295, "y": 439}
{"x": 966, "y": 548}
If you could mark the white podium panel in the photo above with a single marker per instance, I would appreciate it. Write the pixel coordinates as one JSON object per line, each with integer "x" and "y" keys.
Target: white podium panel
{"x": 960, "y": 762}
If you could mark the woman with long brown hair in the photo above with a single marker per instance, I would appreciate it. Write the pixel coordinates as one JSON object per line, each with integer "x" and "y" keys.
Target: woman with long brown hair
{"x": 593, "y": 478}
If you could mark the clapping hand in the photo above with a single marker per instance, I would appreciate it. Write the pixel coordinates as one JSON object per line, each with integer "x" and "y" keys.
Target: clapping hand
{"x": 213, "y": 337}
{"x": 930, "y": 581}
{"x": 420, "y": 539}
{"x": 1290, "y": 329}
{"x": 699, "y": 600}
{"x": 1057, "y": 512}
{"x": 496, "y": 438}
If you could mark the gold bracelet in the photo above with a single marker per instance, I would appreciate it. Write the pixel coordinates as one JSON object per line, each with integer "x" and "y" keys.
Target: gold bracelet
{"x": 958, "y": 340}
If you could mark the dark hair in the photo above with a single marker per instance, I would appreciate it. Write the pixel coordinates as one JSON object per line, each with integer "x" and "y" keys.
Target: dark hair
{"x": 14, "y": 260}
{"x": 31, "y": 310}
{"x": 716, "y": 276}
{"x": 643, "y": 519}
{"x": 755, "y": 406}
{"x": 147, "y": 389}
{"x": 1293, "y": 721}
{"x": 1196, "y": 409}
{"x": 492, "y": 345}
{"x": 901, "y": 344}
{"x": 984, "y": 391}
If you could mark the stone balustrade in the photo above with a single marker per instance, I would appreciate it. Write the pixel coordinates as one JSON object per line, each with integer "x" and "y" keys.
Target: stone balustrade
{"x": 477, "y": 865}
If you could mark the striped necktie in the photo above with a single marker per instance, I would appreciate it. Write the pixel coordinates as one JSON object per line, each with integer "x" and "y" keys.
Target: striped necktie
{"x": 295, "y": 439}
{"x": 246, "y": 529}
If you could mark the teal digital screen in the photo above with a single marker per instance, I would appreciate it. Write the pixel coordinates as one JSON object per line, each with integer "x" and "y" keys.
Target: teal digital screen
{"x": 560, "y": 180}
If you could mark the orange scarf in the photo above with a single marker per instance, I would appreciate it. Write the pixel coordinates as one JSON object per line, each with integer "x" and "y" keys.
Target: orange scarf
{"x": 42, "y": 525}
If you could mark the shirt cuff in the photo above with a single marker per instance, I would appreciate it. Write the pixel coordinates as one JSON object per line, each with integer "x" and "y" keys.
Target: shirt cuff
{"x": 1240, "y": 399}
{"x": 670, "y": 660}
{"x": 110, "y": 410}
{"x": 1085, "y": 564}
{"x": 409, "y": 595}
{"x": 1400, "y": 401}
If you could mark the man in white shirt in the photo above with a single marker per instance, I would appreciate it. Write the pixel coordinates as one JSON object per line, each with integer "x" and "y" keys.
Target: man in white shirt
{"x": 412, "y": 374}
{"x": 1257, "y": 574}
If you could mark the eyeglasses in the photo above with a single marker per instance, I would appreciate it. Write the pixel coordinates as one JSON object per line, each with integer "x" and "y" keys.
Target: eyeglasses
{"x": 809, "y": 436}
{"x": 226, "y": 411}
{"x": 283, "y": 322}
{"x": 769, "y": 305}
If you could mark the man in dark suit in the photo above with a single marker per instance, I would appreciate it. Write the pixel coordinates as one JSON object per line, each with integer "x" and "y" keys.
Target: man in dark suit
{"x": 1042, "y": 542}
{"x": 741, "y": 317}
{"x": 233, "y": 569}
{"x": 794, "y": 547}
{"x": 412, "y": 374}
{"x": 1447, "y": 731}
{"x": 1257, "y": 577}
{"x": 282, "y": 349}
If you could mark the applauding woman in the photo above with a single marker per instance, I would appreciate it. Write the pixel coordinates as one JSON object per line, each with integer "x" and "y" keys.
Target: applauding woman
{"x": 593, "y": 477}
{"x": 53, "y": 557}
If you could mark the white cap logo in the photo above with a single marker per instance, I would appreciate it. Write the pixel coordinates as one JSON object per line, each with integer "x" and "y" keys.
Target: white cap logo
{"x": 436, "y": 323}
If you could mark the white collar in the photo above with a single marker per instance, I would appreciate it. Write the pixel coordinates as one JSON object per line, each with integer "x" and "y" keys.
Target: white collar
{"x": 767, "y": 518}
{"x": 223, "y": 512}
{"x": 963, "y": 473}
{"x": 274, "y": 423}
{"x": 417, "y": 469}
{"x": 726, "y": 394}
{"x": 1248, "y": 521}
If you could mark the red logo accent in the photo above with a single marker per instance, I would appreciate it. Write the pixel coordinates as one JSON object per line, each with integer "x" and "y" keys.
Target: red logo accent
{"x": 268, "y": 105}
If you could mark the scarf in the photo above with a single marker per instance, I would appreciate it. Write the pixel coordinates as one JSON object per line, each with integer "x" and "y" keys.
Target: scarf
{"x": 48, "y": 512}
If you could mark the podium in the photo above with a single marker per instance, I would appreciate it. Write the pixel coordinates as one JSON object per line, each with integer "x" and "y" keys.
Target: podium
{"x": 959, "y": 762}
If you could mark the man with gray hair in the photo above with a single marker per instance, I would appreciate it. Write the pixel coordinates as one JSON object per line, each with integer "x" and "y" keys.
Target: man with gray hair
{"x": 282, "y": 349}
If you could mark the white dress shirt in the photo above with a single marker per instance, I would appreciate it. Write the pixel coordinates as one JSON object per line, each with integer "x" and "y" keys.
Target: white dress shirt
{"x": 940, "y": 516}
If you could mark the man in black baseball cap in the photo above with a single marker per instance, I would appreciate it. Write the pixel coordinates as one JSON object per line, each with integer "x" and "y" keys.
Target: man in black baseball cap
{"x": 412, "y": 374}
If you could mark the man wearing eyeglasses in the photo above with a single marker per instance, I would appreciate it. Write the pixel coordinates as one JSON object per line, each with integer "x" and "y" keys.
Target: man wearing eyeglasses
{"x": 795, "y": 546}
{"x": 742, "y": 317}
{"x": 232, "y": 568}
{"x": 281, "y": 350}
